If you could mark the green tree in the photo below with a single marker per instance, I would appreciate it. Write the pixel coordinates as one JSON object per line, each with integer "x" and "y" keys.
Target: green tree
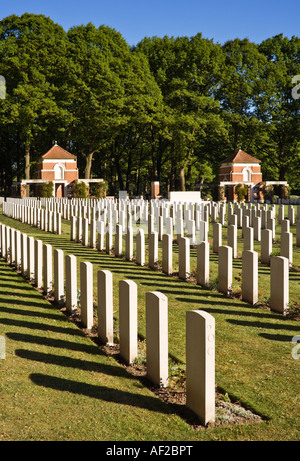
{"x": 239, "y": 91}
{"x": 278, "y": 111}
{"x": 115, "y": 96}
{"x": 187, "y": 71}
{"x": 32, "y": 59}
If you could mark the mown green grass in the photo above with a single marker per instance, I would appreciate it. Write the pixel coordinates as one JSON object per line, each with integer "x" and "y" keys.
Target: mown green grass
{"x": 254, "y": 362}
{"x": 56, "y": 384}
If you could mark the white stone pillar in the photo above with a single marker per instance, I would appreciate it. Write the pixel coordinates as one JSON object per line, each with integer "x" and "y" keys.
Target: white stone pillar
{"x": 200, "y": 365}
{"x": 257, "y": 228}
{"x": 85, "y": 231}
{"x": 250, "y": 276}
{"x": 3, "y": 243}
{"x": 71, "y": 283}
{"x": 108, "y": 238}
{"x": 167, "y": 247}
{"x": 225, "y": 269}
{"x": 30, "y": 258}
{"x": 119, "y": 240}
{"x": 101, "y": 235}
{"x": 73, "y": 228}
{"x": 50, "y": 221}
{"x": 232, "y": 239}
{"x": 217, "y": 237}
{"x": 248, "y": 238}
{"x": 157, "y": 338}
{"x": 271, "y": 227}
{"x": 59, "y": 277}
{"x": 140, "y": 247}
{"x": 38, "y": 264}
{"x": 169, "y": 227}
{"x": 291, "y": 214}
{"x": 129, "y": 244}
{"x": 78, "y": 229}
{"x": 7, "y": 243}
{"x": 285, "y": 225}
{"x": 150, "y": 224}
{"x": 128, "y": 320}
{"x": 47, "y": 269}
{"x": 105, "y": 307}
{"x": 298, "y": 233}
{"x": 58, "y": 224}
{"x": 24, "y": 254}
{"x": 286, "y": 246}
{"x": 184, "y": 257}
{"x": 280, "y": 213}
{"x": 153, "y": 249}
{"x": 18, "y": 250}
{"x": 86, "y": 294}
{"x": 12, "y": 246}
{"x": 93, "y": 233}
{"x": 203, "y": 263}
{"x": 160, "y": 227}
{"x": 266, "y": 246}
{"x": 279, "y": 298}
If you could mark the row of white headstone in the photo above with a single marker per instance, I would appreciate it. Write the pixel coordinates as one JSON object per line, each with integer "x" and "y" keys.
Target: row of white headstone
{"x": 36, "y": 260}
{"x": 82, "y": 231}
{"x": 153, "y": 215}
{"x": 279, "y": 276}
{"x": 32, "y": 214}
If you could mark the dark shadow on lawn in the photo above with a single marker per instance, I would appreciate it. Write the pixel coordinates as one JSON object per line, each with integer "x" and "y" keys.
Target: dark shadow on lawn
{"x": 69, "y": 362}
{"x": 294, "y": 277}
{"x": 207, "y": 301}
{"x": 272, "y": 326}
{"x": 11, "y": 272}
{"x": 243, "y": 312}
{"x": 32, "y": 294}
{"x": 35, "y": 313}
{"x": 101, "y": 392}
{"x": 23, "y": 302}
{"x": 41, "y": 326}
{"x": 281, "y": 338}
{"x": 50, "y": 342}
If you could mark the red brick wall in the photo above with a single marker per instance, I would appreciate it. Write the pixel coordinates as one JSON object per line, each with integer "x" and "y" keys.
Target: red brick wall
{"x": 235, "y": 173}
{"x": 71, "y": 171}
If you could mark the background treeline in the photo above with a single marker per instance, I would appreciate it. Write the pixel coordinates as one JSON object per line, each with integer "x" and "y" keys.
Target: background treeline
{"x": 168, "y": 109}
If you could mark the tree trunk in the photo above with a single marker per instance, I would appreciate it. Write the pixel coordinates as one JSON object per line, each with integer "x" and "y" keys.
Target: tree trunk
{"x": 182, "y": 179}
{"x": 88, "y": 166}
{"x": 116, "y": 157}
{"x": 154, "y": 176}
{"x": 27, "y": 161}
{"x": 128, "y": 172}
{"x": 182, "y": 173}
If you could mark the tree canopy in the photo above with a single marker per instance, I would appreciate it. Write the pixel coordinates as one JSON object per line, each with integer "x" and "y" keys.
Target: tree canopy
{"x": 168, "y": 109}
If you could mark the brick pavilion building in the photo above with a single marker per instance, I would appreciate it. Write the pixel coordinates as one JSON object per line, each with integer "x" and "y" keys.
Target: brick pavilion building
{"x": 59, "y": 167}
{"x": 241, "y": 168}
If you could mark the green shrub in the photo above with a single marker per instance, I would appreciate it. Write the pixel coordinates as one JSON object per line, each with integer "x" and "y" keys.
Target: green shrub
{"x": 241, "y": 191}
{"x": 268, "y": 192}
{"x": 79, "y": 189}
{"x": 100, "y": 189}
{"x": 285, "y": 193}
{"x": 47, "y": 189}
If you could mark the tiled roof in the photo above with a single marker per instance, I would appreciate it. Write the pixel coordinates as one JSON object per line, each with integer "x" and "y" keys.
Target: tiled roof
{"x": 57, "y": 152}
{"x": 241, "y": 157}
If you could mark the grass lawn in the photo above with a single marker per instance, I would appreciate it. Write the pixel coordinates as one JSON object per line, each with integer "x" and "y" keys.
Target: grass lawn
{"x": 56, "y": 384}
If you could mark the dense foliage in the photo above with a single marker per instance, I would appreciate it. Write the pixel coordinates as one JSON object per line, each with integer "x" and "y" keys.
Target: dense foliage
{"x": 168, "y": 109}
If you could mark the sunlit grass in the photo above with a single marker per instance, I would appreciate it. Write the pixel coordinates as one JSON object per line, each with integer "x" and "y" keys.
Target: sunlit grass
{"x": 253, "y": 345}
